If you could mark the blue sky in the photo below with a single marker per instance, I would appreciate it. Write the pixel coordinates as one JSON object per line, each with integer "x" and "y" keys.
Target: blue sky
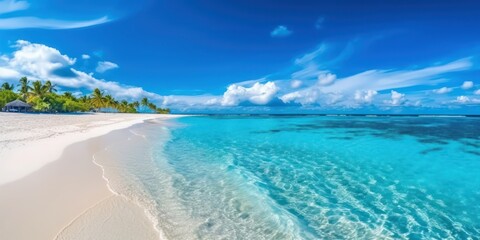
{"x": 253, "y": 56}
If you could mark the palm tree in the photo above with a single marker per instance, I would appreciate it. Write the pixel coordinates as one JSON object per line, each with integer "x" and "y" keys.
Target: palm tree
{"x": 144, "y": 102}
{"x": 48, "y": 87}
{"x": 132, "y": 108}
{"x": 117, "y": 105}
{"x": 97, "y": 100}
{"x": 7, "y": 87}
{"x": 136, "y": 104}
{"x": 163, "y": 110}
{"x": 110, "y": 101}
{"x": 24, "y": 87}
{"x": 123, "y": 106}
{"x": 152, "y": 107}
{"x": 68, "y": 95}
{"x": 37, "y": 89}
{"x": 84, "y": 99}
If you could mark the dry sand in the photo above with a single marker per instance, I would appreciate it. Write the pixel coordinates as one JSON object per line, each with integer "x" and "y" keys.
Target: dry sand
{"x": 49, "y": 185}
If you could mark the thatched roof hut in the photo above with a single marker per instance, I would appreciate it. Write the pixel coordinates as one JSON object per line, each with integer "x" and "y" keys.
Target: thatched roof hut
{"x": 17, "y": 106}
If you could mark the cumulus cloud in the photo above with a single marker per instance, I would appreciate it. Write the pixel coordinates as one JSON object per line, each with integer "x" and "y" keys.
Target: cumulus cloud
{"x": 477, "y": 92}
{"x": 396, "y": 98}
{"x": 463, "y": 99}
{"x": 7, "y": 6}
{"x": 296, "y": 84}
{"x": 85, "y": 56}
{"x": 38, "y": 61}
{"x": 280, "y": 31}
{"x": 185, "y": 101}
{"x": 466, "y": 100}
{"x": 340, "y": 94}
{"x": 9, "y": 74}
{"x": 303, "y": 97}
{"x": 258, "y": 94}
{"x": 363, "y": 87}
{"x": 365, "y": 96}
{"x": 326, "y": 78}
{"x": 105, "y": 66}
{"x": 467, "y": 85}
{"x": 442, "y": 90}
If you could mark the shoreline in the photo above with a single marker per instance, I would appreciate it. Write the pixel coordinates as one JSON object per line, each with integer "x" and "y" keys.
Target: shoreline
{"x": 61, "y": 192}
{"x": 20, "y": 142}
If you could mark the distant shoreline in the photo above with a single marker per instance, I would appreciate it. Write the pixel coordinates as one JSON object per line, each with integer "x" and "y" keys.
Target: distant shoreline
{"x": 336, "y": 115}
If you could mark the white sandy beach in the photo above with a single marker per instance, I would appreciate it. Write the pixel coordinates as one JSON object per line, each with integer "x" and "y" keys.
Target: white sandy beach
{"x": 49, "y": 183}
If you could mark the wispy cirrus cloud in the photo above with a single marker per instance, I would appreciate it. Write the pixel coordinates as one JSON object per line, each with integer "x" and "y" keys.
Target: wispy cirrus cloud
{"x": 7, "y": 6}
{"x": 362, "y": 87}
{"x": 25, "y": 21}
{"x": 35, "y": 22}
{"x": 105, "y": 66}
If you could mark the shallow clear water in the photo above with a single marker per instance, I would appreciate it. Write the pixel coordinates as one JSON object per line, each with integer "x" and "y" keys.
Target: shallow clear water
{"x": 311, "y": 177}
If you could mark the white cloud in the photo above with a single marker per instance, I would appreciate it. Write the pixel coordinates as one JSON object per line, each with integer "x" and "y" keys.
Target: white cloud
{"x": 442, "y": 90}
{"x": 38, "y": 61}
{"x": 296, "y": 84}
{"x": 396, "y": 98}
{"x": 85, "y": 56}
{"x": 305, "y": 97}
{"x": 105, "y": 66}
{"x": 326, "y": 78}
{"x": 466, "y": 100}
{"x": 477, "y": 92}
{"x": 362, "y": 87}
{"x": 21, "y": 22}
{"x": 8, "y": 74}
{"x": 463, "y": 99}
{"x": 7, "y": 6}
{"x": 280, "y": 31}
{"x": 309, "y": 57}
{"x": 35, "y": 22}
{"x": 259, "y": 94}
{"x": 309, "y": 72}
{"x": 365, "y": 96}
{"x": 467, "y": 85}
{"x": 387, "y": 79}
{"x": 185, "y": 101}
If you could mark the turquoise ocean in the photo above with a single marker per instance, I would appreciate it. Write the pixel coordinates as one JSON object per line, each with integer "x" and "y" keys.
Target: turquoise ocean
{"x": 303, "y": 177}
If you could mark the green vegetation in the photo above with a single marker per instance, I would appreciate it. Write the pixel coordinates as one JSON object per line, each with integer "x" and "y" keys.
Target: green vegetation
{"x": 43, "y": 98}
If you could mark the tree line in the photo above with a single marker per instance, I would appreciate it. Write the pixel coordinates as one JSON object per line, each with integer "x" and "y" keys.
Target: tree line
{"x": 43, "y": 97}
